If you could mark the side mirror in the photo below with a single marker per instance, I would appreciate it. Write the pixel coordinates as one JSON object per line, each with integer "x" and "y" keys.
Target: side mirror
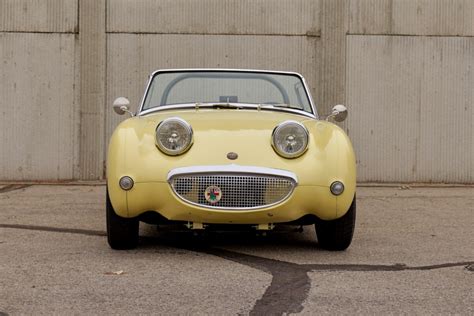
{"x": 339, "y": 113}
{"x": 121, "y": 105}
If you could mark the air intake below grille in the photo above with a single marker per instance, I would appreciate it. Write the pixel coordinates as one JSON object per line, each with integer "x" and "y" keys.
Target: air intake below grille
{"x": 237, "y": 191}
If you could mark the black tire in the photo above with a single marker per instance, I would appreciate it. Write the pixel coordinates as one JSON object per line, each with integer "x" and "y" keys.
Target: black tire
{"x": 122, "y": 233}
{"x": 337, "y": 234}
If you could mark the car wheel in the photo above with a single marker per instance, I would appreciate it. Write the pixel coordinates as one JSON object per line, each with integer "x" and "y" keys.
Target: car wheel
{"x": 337, "y": 234}
{"x": 122, "y": 233}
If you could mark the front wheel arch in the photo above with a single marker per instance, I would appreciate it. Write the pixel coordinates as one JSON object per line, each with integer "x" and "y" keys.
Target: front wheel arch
{"x": 122, "y": 233}
{"x": 337, "y": 234}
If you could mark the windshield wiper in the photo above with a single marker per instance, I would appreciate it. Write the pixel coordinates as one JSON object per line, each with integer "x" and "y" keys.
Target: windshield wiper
{"x": 281, "y": 105}
{"x": 220, "y": 105}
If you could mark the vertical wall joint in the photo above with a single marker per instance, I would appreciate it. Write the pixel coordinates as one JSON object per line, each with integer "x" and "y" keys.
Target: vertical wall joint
{"x": 334, "y": 27}
{"x": 92, "y": 37}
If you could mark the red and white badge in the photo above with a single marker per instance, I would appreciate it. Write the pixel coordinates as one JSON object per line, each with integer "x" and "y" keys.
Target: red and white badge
{"x": 213, "y": 194}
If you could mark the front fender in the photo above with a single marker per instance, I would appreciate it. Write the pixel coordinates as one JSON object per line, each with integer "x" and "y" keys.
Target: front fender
{"x": 116, "y": 168}
{"x": 132, "y": 152}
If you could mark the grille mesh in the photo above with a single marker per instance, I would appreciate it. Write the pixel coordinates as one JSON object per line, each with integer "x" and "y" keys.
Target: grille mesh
{"x": 237, "y": 191}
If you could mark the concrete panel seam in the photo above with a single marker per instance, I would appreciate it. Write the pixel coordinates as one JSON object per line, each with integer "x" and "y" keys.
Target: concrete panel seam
{"x": 408, "y": 35}
{"x": 318, "y": 34}
{"x": 104, "y": 118}
{"x": 39, "y": 32}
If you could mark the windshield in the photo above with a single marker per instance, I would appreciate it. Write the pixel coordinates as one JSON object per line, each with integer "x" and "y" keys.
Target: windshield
{"x": 214, "y": 87}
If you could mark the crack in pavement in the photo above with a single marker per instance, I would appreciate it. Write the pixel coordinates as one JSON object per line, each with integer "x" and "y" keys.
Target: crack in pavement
{"x": 290, "y": 281}
{"x": 56, "y": 229}
{"x": 289, "y": 287}
{"x": 13, "y": 187}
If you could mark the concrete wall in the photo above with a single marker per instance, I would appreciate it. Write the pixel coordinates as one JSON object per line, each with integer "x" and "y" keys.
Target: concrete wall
{"x": 39, "y": 105}
{"x": 410, "y": 84}
{"x": 403, "y": 67}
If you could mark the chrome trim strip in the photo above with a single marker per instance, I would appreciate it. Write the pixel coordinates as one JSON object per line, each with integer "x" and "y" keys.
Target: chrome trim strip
{"x": 232, "y": 168}
{"x": 142, "y": 102}
{"x": 310, "y": 97}
{"x": 244, "y": 106}
{"x": 313, "y": 115}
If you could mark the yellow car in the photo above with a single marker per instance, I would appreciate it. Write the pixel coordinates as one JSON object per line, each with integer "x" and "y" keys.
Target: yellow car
{"x": 238, "y": 147}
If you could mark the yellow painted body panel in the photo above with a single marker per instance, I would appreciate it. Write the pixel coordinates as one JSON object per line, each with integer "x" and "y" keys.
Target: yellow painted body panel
{"x": 132, "y": 152}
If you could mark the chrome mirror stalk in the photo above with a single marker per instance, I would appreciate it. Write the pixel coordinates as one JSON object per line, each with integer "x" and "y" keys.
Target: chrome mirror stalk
{"x": 121, "y": 106}
{"x": 339, "y": 113}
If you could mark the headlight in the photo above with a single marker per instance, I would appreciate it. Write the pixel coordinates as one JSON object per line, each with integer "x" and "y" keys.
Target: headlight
{"x": 290, "y": 139}
{"x": 174, "y": 136}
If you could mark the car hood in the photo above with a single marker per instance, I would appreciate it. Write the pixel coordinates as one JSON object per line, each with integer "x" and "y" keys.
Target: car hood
{"x": 218, "y": 132}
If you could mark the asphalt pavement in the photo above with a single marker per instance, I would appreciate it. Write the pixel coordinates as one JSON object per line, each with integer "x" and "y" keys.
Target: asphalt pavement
{"x": 412, "y": 253}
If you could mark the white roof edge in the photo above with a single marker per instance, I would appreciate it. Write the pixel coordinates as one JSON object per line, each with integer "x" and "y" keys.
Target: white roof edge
{"x": 228, "y": 69}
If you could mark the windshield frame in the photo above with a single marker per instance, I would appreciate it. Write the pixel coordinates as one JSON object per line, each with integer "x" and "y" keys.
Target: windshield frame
{"x": 142, "y": 112}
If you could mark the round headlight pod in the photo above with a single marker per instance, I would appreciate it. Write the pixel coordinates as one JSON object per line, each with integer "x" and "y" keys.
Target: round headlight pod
{"x": 174, "y": 136}
{"x": 290, "y": 139}
{"x": 337, "y": 188}
{"x": 126, "y": 183}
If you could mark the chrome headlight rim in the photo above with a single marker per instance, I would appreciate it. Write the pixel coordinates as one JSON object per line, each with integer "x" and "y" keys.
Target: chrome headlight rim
{"x": 337, "y": 188}
{"x": 126, "y": 183}
{"x": 286, "y": 154}
{"x": 187, "y": 127}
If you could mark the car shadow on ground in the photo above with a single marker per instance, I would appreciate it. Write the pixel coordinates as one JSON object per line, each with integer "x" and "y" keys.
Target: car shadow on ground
{"x": 291, "y": 237}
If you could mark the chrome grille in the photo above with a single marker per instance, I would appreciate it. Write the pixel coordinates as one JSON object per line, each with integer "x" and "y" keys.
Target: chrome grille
{"x": 238, "y": 191}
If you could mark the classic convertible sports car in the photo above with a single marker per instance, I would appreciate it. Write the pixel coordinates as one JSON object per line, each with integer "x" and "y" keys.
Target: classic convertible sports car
{"x": 214, "y": 147}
